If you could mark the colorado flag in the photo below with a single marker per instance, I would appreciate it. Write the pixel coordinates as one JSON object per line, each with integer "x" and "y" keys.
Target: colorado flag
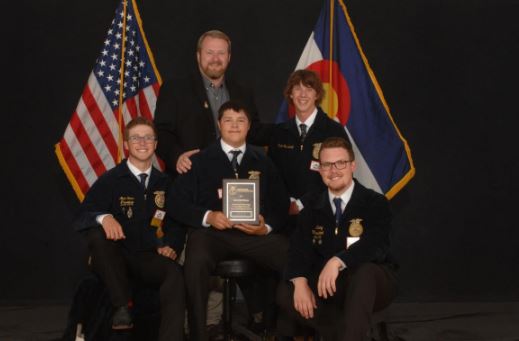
{"x": 354, "y": 98}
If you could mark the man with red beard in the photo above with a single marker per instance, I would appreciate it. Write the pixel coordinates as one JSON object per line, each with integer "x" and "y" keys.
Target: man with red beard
{"x": 187, "y": 109}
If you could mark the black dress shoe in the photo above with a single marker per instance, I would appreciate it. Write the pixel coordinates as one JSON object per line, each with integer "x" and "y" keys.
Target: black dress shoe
{"x": 122, "y": 318}
{"x": 258, "y": 328}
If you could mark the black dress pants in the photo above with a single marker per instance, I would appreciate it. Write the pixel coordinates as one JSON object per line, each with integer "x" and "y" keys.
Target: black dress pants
{"x": 347, "y": 314}
{"x": 206, "y": 247}
{"x": 115, "y": 266}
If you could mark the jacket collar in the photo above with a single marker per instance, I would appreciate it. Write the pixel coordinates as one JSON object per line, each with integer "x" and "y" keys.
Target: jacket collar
{"x": 320, "y": 119}
{"x": 199, "y": 88}
{"x": 216, "y": 153}
{"x": 322, "y": 202}
{"x": 122, "y": 170}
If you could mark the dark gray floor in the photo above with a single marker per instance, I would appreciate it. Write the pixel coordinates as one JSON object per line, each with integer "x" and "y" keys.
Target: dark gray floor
{"x": 406, "y": 321}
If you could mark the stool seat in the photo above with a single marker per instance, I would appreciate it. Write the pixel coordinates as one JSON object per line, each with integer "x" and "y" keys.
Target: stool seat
{"x": 234, "y": 268}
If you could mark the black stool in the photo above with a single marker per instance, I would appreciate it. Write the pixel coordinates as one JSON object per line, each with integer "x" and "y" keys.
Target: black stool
{"x": 229, "y": 270}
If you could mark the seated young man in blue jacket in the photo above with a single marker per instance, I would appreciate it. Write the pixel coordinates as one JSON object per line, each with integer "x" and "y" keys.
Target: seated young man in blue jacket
{"x": 196, "y": 201}
{"x": 124, "y": 220}
{"x": 339, "y": 270}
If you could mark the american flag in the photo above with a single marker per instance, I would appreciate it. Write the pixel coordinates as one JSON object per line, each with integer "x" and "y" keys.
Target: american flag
{"x": 123, "y": 84}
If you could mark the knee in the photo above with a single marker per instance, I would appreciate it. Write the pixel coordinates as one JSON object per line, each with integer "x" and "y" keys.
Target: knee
{"x": 96, "y": 238}
{"x": 175, "y": 274}
{"x": 366, "y": 272}
{"x": 284, "y": 294}
{"x": 197, "y": 252}
{"x": 174, "y": 283}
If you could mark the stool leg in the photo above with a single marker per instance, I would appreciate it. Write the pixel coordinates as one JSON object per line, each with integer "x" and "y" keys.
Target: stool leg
{"x": 382, "y": 331}
{"x": 227, "y": 311}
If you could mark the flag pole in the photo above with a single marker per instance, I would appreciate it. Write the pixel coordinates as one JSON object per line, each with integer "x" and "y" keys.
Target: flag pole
{"x": 330, "y": 56}
{"x": 121, "y": 86}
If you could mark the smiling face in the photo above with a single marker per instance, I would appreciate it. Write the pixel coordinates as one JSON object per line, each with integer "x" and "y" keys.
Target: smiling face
{"x": 304, "y": 98}
{"x": 234, "y": 126}
{"x": 213, "y": 57}
{"x": 304, "y": 90}
{"x": 337, "y": 180}
{"x": 141, "y": 144}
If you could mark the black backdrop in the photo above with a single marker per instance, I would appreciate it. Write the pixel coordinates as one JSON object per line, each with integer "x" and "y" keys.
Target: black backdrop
{"x": 448, "y": 70}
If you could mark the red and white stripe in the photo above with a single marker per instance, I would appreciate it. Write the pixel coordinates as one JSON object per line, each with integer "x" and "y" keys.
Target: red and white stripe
{"x": 90, "y": 145}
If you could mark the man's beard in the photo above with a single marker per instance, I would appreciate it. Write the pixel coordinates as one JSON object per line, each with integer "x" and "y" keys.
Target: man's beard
{"x": 214, "y": 73}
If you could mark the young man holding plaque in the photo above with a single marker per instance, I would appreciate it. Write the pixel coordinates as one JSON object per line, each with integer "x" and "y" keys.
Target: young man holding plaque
{"x": 295, "y": 144}
{"x": 123, "y": 218}
{"x": 197, "y": 201}
{"x": 340, "y": 270}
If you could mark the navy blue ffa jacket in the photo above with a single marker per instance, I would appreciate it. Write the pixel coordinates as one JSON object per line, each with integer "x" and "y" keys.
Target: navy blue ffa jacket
{"x": 294, "y": 160}
{"x": 119, "y": 193}
{"x": 316, "y": 239}
{"x": 199, "y": 190}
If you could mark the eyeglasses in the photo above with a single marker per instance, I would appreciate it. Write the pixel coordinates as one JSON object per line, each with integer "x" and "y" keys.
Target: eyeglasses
{"x": 145, "y": 139}
{"x": 341, "y": 164}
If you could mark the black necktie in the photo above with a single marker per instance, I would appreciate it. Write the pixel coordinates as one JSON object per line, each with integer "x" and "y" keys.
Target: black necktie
{"x": 338, "y": 212}
{"x": 143, "y": 177}
{"x": 234, "y": 161}
{"x": 303, "y": 132}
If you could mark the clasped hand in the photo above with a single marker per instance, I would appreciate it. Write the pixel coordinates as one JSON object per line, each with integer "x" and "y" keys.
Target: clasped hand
{"x": 304, "y": 298}
{"x": 219, "y": 221}
{"x": 167, "y": 252}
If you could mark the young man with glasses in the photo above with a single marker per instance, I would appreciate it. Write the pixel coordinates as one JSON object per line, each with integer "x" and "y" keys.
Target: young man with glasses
{"x": 124, "y": 220}
{"x": 340, "y": 270}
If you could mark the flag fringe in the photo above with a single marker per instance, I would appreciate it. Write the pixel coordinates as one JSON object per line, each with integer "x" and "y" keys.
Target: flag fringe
{"x": 68, "y": 173}
{"x": 145, "y": 40}
{"x": 412, "y": 171}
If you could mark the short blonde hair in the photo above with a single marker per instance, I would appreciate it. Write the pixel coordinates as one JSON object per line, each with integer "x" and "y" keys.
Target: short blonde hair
{"x": 137, "y": 121}
{"x": 337, "y": 142}
{"x": 214, "y": 34}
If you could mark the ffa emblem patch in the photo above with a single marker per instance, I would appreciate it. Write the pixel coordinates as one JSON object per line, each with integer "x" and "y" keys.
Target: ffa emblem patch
{"x": 355, "y": 229}
{"x": 254, "y": 174}
{"x": 317, "y": 234}
{"x": 315, "y": 150}
{"x": 160, "y": 198}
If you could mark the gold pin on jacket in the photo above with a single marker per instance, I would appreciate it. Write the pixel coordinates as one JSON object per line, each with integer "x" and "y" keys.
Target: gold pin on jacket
{"x": 355, "y": 229}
